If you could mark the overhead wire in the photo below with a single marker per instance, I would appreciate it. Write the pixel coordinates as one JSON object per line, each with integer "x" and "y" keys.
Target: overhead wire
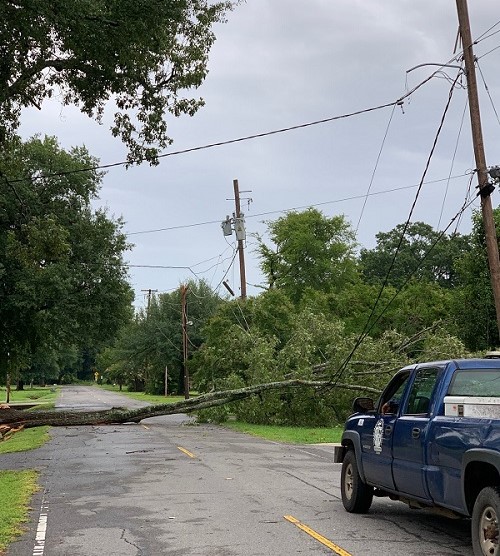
{"x": 343, "y": 367}
{"x": 226, "y": 272}
{"x": 487, "y": 91}
{"x": 453, "y": 162}
{"x": 397, "y": 102}
{"x": 301, "y": 207}
{"x": 485, "y": 35}
{"x": 368, "y": 324}
{"x": 376, "y": 167}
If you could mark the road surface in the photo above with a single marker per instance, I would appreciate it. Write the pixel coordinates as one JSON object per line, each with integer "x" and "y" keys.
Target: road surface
{"x": 171, "y": 487}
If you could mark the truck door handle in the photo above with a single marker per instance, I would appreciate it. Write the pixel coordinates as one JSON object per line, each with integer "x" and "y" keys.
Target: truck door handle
{"x": 415, "y": 432}
{"x": 388, "y": 429}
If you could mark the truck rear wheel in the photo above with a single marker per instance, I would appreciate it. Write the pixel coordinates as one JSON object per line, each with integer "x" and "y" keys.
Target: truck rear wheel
{"x": 485, "y": 522}
{"x": 357, "y": 496}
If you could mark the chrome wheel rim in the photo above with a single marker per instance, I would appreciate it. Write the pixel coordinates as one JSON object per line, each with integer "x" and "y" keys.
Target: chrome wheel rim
{"x": 488, "y": 532}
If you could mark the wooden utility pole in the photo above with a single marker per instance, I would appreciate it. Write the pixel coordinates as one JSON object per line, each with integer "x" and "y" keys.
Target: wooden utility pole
{"x": 184, "y": 290}
{"x": 150, "y": 292}
{"x": 241, "y": 252}
{"x": 485, "y": 187}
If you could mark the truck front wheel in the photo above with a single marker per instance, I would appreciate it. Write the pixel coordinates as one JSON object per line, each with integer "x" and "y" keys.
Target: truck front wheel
{"x": 485, "y": 522}
{"x": 357, "y": 496}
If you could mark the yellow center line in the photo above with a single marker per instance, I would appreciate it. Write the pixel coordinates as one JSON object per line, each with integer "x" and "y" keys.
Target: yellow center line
{"x": 187, "y": 452}
{"x": 323, "y": 540}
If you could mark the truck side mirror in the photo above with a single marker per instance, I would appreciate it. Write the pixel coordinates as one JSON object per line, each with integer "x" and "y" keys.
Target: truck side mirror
{"x": 361, "y": 405}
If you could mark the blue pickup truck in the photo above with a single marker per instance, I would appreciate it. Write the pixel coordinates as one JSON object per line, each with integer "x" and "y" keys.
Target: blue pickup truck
{"x": 431, "y": 440}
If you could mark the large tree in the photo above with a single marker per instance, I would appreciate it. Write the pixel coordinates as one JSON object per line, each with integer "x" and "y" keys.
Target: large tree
{"x": 311, "y": 251}
{"x": 422, "y": 252}
{"x": 140, "y": 53}
{"x": 62, "y": 277}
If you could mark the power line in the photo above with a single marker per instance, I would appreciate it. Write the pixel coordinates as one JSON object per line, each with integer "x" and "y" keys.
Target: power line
{"x": 483, "y": 36}
{"x": 397, "y": 102}
{"x": 219, "y": 143}
{"x": 488, "y": 91}
{"x": 368, "y": 325}
{"x": 375, "y": 168}
{"x": 300, "y": 207}
{"x": 452, "y": 162}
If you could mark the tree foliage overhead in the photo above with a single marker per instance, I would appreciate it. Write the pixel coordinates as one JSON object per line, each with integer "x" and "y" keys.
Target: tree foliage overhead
{"x": 140, "y": 53}
{"x": 62, "y": 278}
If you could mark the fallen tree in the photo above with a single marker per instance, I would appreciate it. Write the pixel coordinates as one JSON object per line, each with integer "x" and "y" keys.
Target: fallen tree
{"x": 10, "y": 416}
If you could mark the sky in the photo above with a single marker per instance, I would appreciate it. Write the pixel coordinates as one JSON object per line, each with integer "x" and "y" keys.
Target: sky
{"x": 282, "y": 63}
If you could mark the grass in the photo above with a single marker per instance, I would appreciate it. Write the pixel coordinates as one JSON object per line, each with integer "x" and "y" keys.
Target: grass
{"x": 142, "y": 396}
{"x": 37, "y": 394}
{"x": 27, "y": 439}
{"x": 16, "y": 489}
{"x": 290, "y": 435}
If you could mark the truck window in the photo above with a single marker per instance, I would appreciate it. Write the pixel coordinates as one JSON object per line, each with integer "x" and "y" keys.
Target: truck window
{"x": 476, "y": 382}
{"x": 391, "y": 397}
{"x": 421, "y": 391}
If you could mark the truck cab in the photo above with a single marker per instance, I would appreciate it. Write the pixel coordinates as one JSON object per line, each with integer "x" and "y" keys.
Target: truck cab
{"x": 432, "y": 440}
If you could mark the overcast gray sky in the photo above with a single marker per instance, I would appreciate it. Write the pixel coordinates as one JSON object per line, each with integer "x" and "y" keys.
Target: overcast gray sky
{"x": 280, "y": 63}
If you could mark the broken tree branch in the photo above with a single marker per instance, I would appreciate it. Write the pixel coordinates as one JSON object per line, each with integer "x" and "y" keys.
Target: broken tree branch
{"x": 122, "y": 415}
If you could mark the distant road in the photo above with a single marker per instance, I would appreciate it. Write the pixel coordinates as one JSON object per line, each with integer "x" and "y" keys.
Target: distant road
{"x": 93, "y": 398}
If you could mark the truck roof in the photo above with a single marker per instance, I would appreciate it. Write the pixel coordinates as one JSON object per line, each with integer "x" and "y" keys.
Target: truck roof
{"x": 473, "y": 363}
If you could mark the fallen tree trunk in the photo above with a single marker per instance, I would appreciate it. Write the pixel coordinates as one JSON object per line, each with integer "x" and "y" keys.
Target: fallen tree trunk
{"x": 122, "y": 415}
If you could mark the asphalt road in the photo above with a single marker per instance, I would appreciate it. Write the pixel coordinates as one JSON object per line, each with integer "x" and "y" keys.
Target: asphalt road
{"x": 170, "y": 487}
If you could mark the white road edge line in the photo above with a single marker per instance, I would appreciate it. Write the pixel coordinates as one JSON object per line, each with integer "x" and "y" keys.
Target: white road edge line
{"x": 41, "y": 529}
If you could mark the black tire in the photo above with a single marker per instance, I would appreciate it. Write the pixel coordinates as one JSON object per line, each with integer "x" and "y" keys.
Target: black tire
{"x": 485, "y": 522}
{"x": 357, "y": 496}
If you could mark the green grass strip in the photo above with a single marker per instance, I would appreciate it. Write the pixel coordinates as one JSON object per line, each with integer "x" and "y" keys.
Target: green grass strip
{"x": 37, "y": 394}
{"x": 16, "y": 489}
{"x": 290, "y": 435}
{"x": 27, "y": 439}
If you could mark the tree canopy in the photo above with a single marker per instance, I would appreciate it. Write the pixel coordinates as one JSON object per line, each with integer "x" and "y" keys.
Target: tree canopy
{"x": 424, "y": 253}
{"x": 311, "y": 251}
{"x": 154, "y": 340}
{"x": 143, "y": 54}
{"x": 62, "y": 277}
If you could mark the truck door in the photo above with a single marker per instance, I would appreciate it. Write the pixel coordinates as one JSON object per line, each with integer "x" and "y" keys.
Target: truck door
{"x": 410, "y": 431}
{"x": 377, "y": 434}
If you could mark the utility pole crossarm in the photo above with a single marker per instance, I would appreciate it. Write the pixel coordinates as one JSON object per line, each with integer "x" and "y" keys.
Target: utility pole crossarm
{"x": 477, "y": 138}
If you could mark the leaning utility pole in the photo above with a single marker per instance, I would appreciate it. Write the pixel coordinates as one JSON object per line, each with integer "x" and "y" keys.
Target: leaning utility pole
{"x": 185, "y": 340}
{"x": 485, "y": 188}
{"x": 241, "y": 252}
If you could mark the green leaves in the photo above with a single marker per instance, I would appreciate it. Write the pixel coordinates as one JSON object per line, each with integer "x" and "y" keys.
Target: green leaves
{"x": 311, "y": 251}
{"x": 143, "y": 54}
{"x": 63, "y": 279}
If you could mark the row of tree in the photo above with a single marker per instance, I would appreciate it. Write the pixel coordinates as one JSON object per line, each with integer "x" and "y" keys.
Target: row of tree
{"x": 329, "y": 310}
{"x": 318, "y": 319}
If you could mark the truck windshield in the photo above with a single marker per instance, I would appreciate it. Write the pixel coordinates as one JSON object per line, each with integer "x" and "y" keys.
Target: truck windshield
{"x": 477, "y": 382}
